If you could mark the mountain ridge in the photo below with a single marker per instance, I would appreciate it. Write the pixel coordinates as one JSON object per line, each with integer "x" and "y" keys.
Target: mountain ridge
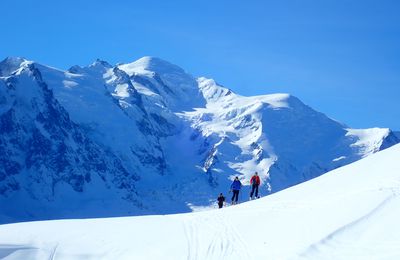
{"x": 169, "y": 141}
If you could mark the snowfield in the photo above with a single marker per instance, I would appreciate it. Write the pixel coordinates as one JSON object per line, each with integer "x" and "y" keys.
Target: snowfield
{"x": 349, "y": 213}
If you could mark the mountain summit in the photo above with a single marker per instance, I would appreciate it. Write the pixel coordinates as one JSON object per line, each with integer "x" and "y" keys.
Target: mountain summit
{"x": 147, "y": 137}
{"x": 152, "y": 64}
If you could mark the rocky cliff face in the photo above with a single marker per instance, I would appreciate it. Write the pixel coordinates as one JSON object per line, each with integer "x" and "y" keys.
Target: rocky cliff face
{"x": 147, "y": 137}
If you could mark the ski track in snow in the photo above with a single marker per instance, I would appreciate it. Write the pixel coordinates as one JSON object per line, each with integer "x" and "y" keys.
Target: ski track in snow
{"x": 191, "y": 237}
{"x": 223, "y": 240}
{"x": 53, "y": 253}
{"x": 229, "y": 240}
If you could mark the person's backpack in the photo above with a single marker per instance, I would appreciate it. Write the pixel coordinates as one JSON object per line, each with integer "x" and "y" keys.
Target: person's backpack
{"x": 256, "y": 180}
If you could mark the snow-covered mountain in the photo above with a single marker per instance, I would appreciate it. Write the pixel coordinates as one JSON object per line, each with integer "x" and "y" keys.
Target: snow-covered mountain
{"x": 350, "y": 213}
{"x": 147, "y": 137}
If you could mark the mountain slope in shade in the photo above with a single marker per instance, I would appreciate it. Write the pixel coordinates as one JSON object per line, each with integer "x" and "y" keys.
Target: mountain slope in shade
{"x": 397, "y": 134}
{"x": 349, "y": 213}
{"x": 146, "y": 137}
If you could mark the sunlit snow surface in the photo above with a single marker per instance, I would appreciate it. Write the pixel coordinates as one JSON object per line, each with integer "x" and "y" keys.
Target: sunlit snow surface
{"x": 349, "y": 213}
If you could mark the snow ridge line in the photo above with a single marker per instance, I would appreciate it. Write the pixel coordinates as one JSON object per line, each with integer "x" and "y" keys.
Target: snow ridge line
{"x": 331, "y": 236}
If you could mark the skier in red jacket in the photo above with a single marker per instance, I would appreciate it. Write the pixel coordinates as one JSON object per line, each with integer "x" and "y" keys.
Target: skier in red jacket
{"x": 254, "y": 182}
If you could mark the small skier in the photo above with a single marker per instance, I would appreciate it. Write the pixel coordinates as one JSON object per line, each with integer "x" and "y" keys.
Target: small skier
{"x": 235, "y": 188}
{"x": 254, "y": 182}
{"x": 221, "y": 200}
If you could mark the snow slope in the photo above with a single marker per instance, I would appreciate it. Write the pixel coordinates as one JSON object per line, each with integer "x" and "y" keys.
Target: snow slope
{"x": 148, "y": 138}
{"x": 349, "y": 213}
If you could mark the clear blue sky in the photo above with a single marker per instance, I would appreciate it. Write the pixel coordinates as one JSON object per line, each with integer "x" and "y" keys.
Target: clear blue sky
{"x": 340, "y": 57}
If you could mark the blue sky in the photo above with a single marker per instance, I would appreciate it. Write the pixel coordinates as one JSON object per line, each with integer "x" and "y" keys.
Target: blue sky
{"x": 340, "y": 57}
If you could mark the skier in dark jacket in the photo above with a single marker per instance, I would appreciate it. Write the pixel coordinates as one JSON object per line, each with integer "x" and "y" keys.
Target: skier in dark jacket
{"x": 235, "y": 188}
{"x": 254, "y": 182}
{"x": 221, "y": 200}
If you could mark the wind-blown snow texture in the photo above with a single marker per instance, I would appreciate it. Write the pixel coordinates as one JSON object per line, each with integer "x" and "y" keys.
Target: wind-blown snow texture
{"x": 351, "y": 213}
{"x": 147, "y": 137}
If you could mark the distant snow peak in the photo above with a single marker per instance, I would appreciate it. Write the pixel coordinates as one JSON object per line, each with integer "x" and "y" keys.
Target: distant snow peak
{"x": 174, "y": 87}
{"x": 150, "y": 66}
{"x": 12, "y": 64}
{"x": 100, "y": 63}
{"x": 156, "y": 65}
{"x": 12, "y": 61}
